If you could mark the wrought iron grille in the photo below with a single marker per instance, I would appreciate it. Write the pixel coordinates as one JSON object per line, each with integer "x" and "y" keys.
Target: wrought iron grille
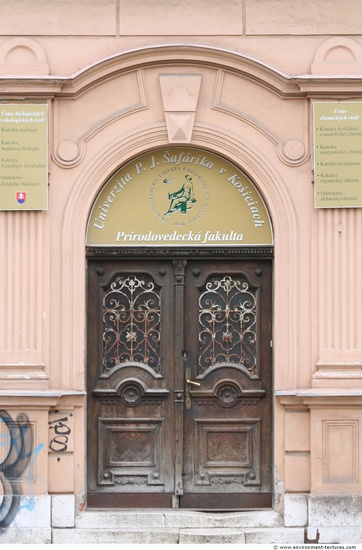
{"x": 131, "y": 322}
{"x": 227, "y": 323}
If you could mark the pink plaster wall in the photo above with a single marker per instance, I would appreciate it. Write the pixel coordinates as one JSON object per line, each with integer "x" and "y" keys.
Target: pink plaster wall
{"x": 98, "y": 65}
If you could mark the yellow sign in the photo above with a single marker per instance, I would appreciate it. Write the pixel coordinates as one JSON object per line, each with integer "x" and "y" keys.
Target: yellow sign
{"x": 24, "y": 157}
{"x": 338, "y": 154}
{"x": 176, "y": 197}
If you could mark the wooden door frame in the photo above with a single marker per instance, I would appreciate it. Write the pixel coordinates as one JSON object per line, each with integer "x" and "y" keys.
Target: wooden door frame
{"x": 179, "y": 255}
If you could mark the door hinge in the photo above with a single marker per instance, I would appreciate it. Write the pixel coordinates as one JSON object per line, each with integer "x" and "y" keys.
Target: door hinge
{"x": 271, "y": 343}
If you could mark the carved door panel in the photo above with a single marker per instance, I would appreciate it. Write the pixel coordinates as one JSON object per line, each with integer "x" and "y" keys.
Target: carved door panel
{"x": 179, "y": 383}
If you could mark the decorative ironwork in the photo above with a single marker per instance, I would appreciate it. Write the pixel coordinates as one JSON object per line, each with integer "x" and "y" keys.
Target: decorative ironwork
{"x": 131, "y": 322}
{"x": 227, "y": 323}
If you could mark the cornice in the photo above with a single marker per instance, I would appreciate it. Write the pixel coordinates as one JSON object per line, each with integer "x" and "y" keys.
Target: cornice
{"x": 320, "y": 398}
{"x": 179, "y": 54}
{"x": 35, "y": 399}
{"x": 330, "y": 86}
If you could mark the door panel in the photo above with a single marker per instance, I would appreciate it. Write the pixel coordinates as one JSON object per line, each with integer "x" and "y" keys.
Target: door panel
{"x": 130, "y": 409}
{"x": 228, "y": 422}
{"x": 179, "y": 380}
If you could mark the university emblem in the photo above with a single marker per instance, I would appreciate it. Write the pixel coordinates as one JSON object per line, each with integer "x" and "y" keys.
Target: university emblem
{"x": 178, "y": 197}
{"x": 183, "y": 199}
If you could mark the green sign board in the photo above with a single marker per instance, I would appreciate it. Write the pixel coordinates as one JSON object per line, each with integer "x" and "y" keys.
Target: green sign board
{"x": 338, "y": 154}
{"x": 24, "y": 156}
{"x": 179, "y": 196}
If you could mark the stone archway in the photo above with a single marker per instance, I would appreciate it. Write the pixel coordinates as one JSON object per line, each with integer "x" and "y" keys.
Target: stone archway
{"x": 100, "y": 154}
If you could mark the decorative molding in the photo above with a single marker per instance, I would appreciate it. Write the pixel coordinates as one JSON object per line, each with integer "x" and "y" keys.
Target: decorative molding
{"x": 281, "y": 210}
{"x": 40, "y": 399}
{"x": 184, "y": 252}
{"x": 180, "y": 93}
{"x": 312, "y": 398}
{"x": 338, "y": 372}
{"x": 228, "y": 393}
{"x": 23, "y": 56}
{"x": 23, "y": 376}
{"x": 197, "y": 55}
{"x": 340, "y": 467}
{"x": 70, "y": 152}
{"x": 338, "y": 56}
{"x": 178, "y": 54}
{"x": 131, "y": 393}
{"x": 23, "y": 244}
{"x": 291, "y": 152}
{"x": 339, "y": 297}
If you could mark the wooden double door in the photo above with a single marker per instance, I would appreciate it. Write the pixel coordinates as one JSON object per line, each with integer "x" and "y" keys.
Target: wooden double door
{"x": 179, "y": 383}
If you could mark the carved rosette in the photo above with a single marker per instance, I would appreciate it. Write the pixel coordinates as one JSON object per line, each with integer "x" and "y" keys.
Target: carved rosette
{"x": 131, "y": 394}
{"x": 227, "y": 395}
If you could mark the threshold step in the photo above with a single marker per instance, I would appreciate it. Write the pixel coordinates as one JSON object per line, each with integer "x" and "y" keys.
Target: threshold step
{"x": 169, "y": 519}
{"x": 179, "y": 536}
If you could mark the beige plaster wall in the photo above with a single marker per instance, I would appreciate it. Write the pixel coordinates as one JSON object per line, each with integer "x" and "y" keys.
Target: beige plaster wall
{"x": 98, "y": 65}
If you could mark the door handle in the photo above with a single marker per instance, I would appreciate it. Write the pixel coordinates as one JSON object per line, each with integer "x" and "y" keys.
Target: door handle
{"x": 189, "y": 382}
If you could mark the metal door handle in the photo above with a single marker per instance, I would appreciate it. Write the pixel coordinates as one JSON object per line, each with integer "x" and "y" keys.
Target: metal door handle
{"x": 192, "y": 382}
{"x": 189, "y": 382}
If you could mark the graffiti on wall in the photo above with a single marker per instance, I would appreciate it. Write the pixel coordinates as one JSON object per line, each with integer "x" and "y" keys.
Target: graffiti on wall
{"x": 60, "y": 432}
{"x": 16, "y": 454}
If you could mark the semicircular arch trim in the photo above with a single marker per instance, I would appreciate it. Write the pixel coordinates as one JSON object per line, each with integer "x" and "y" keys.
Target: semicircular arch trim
{"x": 91, "y": 180}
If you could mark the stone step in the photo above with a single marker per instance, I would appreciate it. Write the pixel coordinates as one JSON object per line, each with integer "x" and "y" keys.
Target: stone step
{"x": 177, "y": 519}
{"x": 179, "y": 536}
{"x": 177, "y": 527}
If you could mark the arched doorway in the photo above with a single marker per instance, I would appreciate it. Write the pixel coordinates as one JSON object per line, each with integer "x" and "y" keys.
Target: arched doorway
{"x": 179, "y": 247}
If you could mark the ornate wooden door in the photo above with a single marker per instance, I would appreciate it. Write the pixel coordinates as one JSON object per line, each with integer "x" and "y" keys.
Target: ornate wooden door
{"x": 227, "y": 420}
{"x": 179, "y": 383}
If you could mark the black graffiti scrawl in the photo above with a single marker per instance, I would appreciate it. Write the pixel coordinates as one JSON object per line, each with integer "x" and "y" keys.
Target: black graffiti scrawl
{"x": 16, "y": 449}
